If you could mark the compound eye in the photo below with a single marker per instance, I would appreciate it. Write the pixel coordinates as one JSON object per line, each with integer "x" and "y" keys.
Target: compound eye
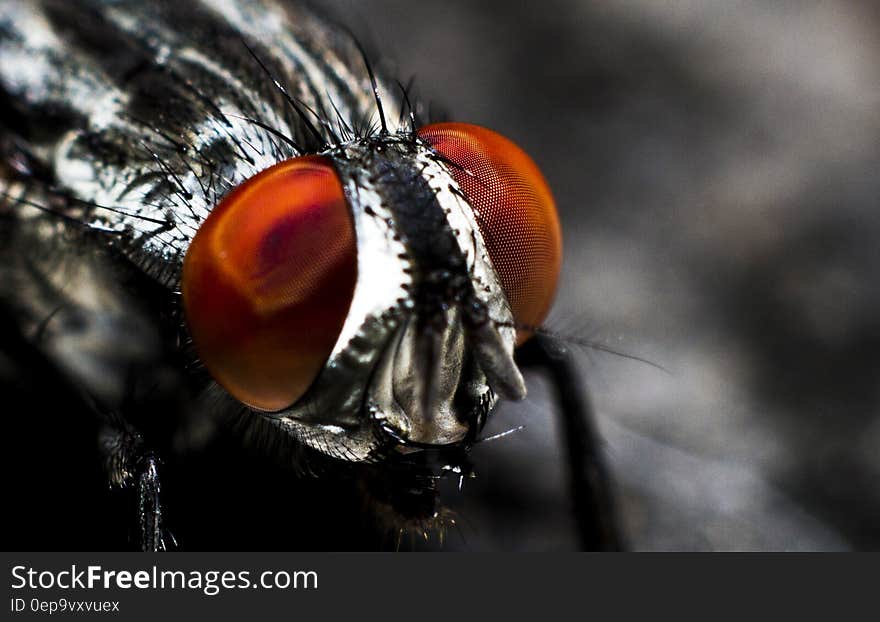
{"x": 515, "y": 212}
{"x": 268, "y": 280}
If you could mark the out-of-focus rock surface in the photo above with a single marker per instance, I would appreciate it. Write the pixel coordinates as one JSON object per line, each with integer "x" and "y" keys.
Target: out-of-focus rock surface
{"x": 716, "y": 168}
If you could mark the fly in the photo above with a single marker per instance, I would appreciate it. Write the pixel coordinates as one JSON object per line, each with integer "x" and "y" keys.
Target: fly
{"x": 247, "y": 223}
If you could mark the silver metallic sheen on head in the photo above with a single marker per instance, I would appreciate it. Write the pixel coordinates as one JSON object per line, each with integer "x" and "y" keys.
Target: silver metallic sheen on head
{"x": 393, "y": 378}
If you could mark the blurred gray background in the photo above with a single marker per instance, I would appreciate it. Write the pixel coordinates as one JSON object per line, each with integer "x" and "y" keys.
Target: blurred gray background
{"x": 715, "y": 165}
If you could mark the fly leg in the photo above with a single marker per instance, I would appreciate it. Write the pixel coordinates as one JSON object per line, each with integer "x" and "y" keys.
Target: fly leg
{"x": 88, "y": 346}
{"x": 589, "y": 481}
{"x": 130, "y": 464}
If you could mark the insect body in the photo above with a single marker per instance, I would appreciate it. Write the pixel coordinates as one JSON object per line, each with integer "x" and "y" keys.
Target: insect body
{"x": 314, "y": 260}
{"x": 394, "y": 327}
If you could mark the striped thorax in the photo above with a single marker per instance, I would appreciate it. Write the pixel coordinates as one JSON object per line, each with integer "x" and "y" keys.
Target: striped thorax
{"x": 356, "y": 279}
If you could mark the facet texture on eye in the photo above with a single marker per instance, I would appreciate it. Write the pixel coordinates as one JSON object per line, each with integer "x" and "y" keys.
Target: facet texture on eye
{"x": 514, "y": 209}
{"x": 268, "y": 280}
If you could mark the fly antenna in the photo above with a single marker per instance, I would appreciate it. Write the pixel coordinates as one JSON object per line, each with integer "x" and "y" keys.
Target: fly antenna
{"x": 584, "y": 343}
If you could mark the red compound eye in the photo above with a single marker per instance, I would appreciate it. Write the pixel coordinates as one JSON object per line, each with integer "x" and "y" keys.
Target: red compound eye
{"x": 514, "y": 209}
{"x": 268, "y": 280}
